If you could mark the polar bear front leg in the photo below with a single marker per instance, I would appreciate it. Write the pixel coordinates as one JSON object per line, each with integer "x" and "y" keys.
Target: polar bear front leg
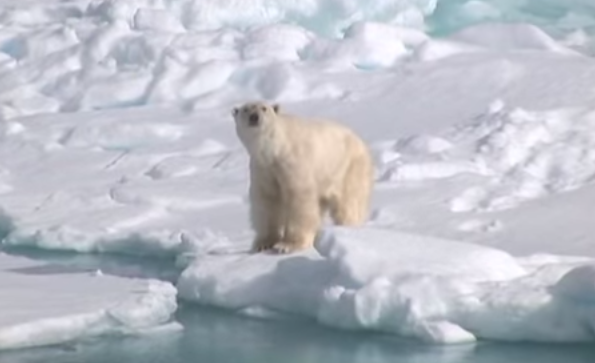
{"x": 302, "y": 219}
{"x": 266, "y": 217}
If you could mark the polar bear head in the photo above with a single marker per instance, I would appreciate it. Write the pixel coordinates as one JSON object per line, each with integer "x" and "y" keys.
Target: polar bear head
{"x": 253, "y": 118}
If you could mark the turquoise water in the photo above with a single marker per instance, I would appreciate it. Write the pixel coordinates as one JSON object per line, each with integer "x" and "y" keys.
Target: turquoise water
{"x": 214, "y": 336}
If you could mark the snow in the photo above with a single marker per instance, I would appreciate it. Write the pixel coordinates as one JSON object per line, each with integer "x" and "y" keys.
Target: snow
{"x": 509, "y": 36}
{"x": 116, "y": 137}
{"x": 435, "y": 290}
{"x": 525, "y": 155}
{"x": 45, "y": 304}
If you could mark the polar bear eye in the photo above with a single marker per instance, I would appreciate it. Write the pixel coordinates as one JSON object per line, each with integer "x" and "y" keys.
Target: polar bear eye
{"x": 264, "y": 109}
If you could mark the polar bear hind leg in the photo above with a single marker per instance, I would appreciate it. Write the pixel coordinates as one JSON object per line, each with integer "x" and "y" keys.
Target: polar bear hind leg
{"x": 350, "y": 206}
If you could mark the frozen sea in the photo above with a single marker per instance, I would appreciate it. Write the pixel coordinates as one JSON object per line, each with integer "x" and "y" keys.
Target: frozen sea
{"x": 123, "y": 209}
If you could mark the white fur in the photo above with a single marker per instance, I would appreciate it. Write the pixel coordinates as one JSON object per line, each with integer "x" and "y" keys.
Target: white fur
{"x": 299, "y": 169}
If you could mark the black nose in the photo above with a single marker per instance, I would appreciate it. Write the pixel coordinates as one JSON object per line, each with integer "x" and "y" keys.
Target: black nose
{"x": 253, "y": 120}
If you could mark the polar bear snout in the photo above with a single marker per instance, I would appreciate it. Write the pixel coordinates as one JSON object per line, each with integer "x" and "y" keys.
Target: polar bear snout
{"x": 253, "y": 120}
{"x": 250, "y": 115}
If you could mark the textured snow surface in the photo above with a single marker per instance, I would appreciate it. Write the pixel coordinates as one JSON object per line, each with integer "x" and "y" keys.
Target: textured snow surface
{"x": 90, "y": 55}
{"x": 523, "y": 154}
{"x": 46, "y": 304}
{"x": 116, "y": 137}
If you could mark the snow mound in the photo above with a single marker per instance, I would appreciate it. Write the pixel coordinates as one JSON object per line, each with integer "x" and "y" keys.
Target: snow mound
{"x": 578, "y": 285}
{"x": 379, "y": 280}
{"x": 198, "y": 54}
{"x": 272, "y": 82}
{"x": 361, "y": 47}
{"x": 436, "y": 49}
{"x": 529, "y": 155}
{"x": 417, "y": 255}
{"x": 276, "y": 41}
{"x": 520, "y": 154}
{"x": 491, "y": 37}
{"x": 118, "y": 55}
{"x": 76, "y": 304}
{"x": 502, "y": 37}
{"x": 326, "y": 17}
{"x": 374, "y": 31}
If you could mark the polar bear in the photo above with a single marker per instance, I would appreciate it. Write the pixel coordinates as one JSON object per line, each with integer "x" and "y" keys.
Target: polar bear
{"x": 300, "y": 169}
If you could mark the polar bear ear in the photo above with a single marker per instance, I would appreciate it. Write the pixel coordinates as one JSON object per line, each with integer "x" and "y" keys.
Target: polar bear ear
{"x": 276, "y": 108}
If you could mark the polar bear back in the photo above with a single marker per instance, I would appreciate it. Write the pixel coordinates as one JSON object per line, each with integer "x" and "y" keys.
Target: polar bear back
{"x": 323, "y": 148}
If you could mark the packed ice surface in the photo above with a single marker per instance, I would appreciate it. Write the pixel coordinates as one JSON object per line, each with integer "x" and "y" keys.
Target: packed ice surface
{"x": 432, "y": 289}
{"x": 44, "y": 303}
{"x": 116, "y": 136}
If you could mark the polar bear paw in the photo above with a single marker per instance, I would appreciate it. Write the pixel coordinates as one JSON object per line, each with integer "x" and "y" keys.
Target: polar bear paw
{"x": 287, "y": 248}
